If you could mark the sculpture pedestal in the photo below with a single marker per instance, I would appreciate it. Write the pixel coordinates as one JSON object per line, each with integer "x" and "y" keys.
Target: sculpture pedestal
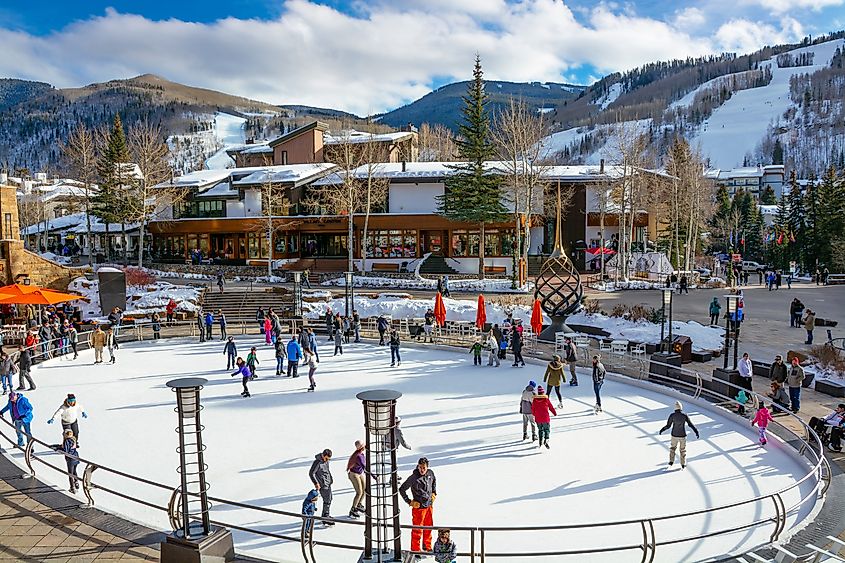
{"x": 558, "y": 325}
{"x": 217, "y": 547}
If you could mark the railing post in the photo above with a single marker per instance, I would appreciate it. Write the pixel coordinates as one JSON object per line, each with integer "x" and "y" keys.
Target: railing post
{"x": 27, "y": 454}
{"x": 481, "y": 531}
{"x": 472, "y": 545}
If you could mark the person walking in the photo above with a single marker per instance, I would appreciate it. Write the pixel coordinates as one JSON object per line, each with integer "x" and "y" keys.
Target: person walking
{"x": 21, "y": 412}
{"x": 553, "y": 378}
{"x": 541, "y": 406}
{"x": 221, "y": 320}
{"x": 111, "y": 344}
{"x": 312, "y": 369}
{"x": 69, "y": 412}
{"x": 570, "y": 352}
{"x": 115, "y": 319}
{"x": 156, "y": 324}
{"x": 794, "y": 381}
{"x": 231, "y": 352}
{"x": 809, "y": 325}
{"x": 423, "y": 486}
{"x": 268, "y": 330}
{"x": 525, "y": 402}
{"x": 209, "y": 322}
{"x": 280, "y": 356}
{"x": 7, "y": 369}
{"x": 762, "y": 420}
{"x": 321, "y": 476}
{"x": 346, "y": 326}
{"x": 246, "y": 375}
{"x": 355, "y": 468}
{"x": 220, "y": 280}
{"x": 493, "y": 351}
{"x": 598, "y": 380}
{"x": 678, "y": 421}
{"x": 252, "y": 362}
{"x": 69, "y": 445}
{"x": 381, "y": 325}
{"x": 683, "y": 285}
{"x": 201, "y": 325}
{"x": 169, "y": 310}
{"x": 516, "y": 347}
{"x": 294, "y": 355}
{"x": 98, "y": 341}
{"x": 338, "y": 342}
{"x": 777, "y": 371}
{"x": 395, "y": 359}
{"x": 24, "y": 365}
{"x": 428, "y": 325}
{"x": 356, "y": 325}
{"x": 746, "y": 372}
{"x": 715, "y": 309}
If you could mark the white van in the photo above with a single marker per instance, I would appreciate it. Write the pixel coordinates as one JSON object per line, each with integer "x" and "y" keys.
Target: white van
{"x": 751, "y": 266}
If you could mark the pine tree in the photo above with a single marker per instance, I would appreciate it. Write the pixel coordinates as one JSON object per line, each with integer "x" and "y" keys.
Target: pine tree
{"x": 777, "y": 152}
{"x": 830, "y": 213}
{"x": 473, "y": 194}
{"x": 108, "y": 203}
{"x": 797, "y": 221}
{"x": 721, "y": 219}
{"x": 768, "y": 196}
{"x": 777, "y": 246}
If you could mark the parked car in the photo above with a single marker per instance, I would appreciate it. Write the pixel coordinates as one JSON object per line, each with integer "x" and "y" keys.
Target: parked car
{"x": 751, "y": 266}
{"x": 703, "y": 272}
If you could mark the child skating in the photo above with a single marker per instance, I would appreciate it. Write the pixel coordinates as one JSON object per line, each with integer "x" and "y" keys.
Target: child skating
{"x": 243, "y": 371}
{"x": 541, "y": 406}
{"x": 762, "y": 420}
{"x": 231, "y": 351}
{"x": 252, "y": 362}
{"x": 476, "y": 352}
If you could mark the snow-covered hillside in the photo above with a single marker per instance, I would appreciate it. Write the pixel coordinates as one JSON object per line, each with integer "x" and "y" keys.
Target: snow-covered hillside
{"x": 572, "y": 138}
{"x": 206, "y": 148}
{"x": 229, "y": 130}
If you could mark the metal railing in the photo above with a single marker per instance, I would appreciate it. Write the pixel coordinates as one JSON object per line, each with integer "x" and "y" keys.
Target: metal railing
{"x": 807, "y": 444}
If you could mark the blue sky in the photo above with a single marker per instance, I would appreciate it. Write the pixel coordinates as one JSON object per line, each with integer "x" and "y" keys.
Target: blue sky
{"x": 372, "y": 55}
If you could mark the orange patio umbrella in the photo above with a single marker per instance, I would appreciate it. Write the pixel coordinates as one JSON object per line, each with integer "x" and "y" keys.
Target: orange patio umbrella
{"x": 537, "y": 318}
{"x": 39, "y": 297}
{"x": 18, "y": 289}
{"x": 439, "y": 309}
{"x": 481, "y": 314}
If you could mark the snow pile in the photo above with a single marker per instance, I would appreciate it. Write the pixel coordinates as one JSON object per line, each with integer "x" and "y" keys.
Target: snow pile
{"x": 474, "y": 285}
{"x": 63, "y": 260}
{"x": 261, "y": 279}
{"x": 630, "y": 284}
{"x": 140, "y": 300}
{"x": 703, "y": 337}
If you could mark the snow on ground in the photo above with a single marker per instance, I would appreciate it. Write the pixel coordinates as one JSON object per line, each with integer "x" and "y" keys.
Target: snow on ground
{"x": 606, "y": 467}
{"x": 724, "y": 137}
{"x": 556, "y": 142}
{"x": 474, "y": 285}
{"x": 229, "y": 129}
{"x": 610, "y": 96}
{"x": 703, "y": 337}
{"x": 140, "y": 300}
{"x": 64, "y": 260}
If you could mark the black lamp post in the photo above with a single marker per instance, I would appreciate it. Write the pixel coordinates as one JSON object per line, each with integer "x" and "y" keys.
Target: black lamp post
{"x": 350, "y": 279}
{"x": 667, "y": 304}
{"x": 730, "y": 323}
{"x": 297, "y": 294}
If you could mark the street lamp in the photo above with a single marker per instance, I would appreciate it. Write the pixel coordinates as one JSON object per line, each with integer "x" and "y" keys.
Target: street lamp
{"x": 731, "y": 322}
{"x": 297, "y": 294}
{"x": 667, "y": 303}
{"x": 349, "y": 291}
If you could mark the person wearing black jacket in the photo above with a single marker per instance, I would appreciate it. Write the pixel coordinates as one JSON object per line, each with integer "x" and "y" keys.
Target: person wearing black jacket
{"x": 321, "y": 475}
{"x": 678, "y": 421}
{"x": 423, "y": 486}
{"x": 24, "y": 365}
{"x": 395, "y": 359}
{"x": 516, "y": 346}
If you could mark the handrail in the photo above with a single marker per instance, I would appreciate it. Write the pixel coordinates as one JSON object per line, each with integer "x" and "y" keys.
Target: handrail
{"x": 820, "y": 468}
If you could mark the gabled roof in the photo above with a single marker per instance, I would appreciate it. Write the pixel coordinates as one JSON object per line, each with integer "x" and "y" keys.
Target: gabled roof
{"x": 319, "y": 125}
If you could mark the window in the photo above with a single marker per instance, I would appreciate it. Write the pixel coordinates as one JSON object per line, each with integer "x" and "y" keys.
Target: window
{"x": 391, "y": 244}
{"x": 7, "y": 226}
{"x": 284, "y": 158}
{"x": 194, "y": 209}
{"x": 200, "y": 241}
{"x": 256, "y": 245}
{"x": 498, "y": 242}
{"x": 169, "y": 247}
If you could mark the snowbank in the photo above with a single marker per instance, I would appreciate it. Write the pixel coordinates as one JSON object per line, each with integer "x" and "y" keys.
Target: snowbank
{"x": 491, "y": 285}
{"x": 140, "y": 300}
{"x": 703, "y": 337}
{"x": 63, "y": 260}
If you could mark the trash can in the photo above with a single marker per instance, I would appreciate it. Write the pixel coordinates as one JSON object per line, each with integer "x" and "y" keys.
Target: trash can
{"x": 682, "y": 345}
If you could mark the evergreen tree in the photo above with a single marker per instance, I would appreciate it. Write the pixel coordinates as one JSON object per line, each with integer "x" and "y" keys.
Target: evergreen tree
{"x": 797, "y": 230}
{"x": 768, "y": 196}
{"x": 777, "y": 244}
{"x": 473, "y": 194}
{"x": 830, "y": 222}
{"x": 109, "y": 204}
{"x": 813, "y": 243}
{"x": 720, "y": 220}
{"x": 777, "y": 152}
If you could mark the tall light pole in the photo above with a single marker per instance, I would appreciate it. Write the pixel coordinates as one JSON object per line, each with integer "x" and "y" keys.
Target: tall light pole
{"x": 667, "y": 304}
{"x": 297, "y": 294}
{"x": 730, "y": 322}
{"x": 350, "y": 278}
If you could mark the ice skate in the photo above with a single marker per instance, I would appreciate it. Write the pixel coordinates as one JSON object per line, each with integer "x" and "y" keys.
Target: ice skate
{"x": 546, "y": 444}
{"x": 525, "y": 437}
{"x": 560, "y": 404}
{"x": 354, "y": 514}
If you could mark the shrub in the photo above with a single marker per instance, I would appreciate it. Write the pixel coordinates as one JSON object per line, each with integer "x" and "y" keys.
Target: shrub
{"x": 829, "y": 358}
{"x": 591, "y": 306}
{"x": 619, "y": 310}
{"x": 138, "y": 277}
{"x": 644, "y": 312}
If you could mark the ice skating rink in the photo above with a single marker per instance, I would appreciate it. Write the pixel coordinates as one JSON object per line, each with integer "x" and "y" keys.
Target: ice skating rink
{"x": 601, "y": 468}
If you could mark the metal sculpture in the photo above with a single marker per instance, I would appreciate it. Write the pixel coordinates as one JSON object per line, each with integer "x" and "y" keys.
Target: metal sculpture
{"x": 558, "y": 285}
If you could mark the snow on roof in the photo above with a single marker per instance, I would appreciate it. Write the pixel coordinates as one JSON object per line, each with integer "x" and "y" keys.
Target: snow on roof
{"x": 250, "y": 148}
{"x": 206, "y": 178}
{"x": 353, "y": 136}
{"x": 768, "y": 209}
{"x": 58, "y": 224}
{"x": 223, "y": 189}
{"x": 98, "y": 226}
{"x": 288, "y": 173}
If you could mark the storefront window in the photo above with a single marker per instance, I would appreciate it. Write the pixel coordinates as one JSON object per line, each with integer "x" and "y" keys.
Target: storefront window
{"x": 473, "y": 244}
{"x": 257, "y": 245}
{"x": 460, "y": 243}
{"x": 199, "y": 241}
{"x": 391, "y": 244}
{"x": 170, "y": 247}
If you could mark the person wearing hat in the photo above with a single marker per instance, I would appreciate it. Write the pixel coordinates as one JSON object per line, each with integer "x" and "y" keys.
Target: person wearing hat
{"x": 777, "y": 371}
{"x": 321, "y": 475}
{"x": 231, "y": 352}
{"x": 69, "y": 446}
{"x": 794, "y": 380}
{"x": 678, "y": 420}
{"x": 24, "y": 365}
{"x": 98, "y": 342}
{"x": 835, "y": 421}
{"x": 398, "y": 436}
{"x": 541, "y": 406}
{"x": 423, "y": 486}
{"x": 525, "y": 410}
{"x": 21, "y": 410}
{"x": 69, "y": 412}
{"x": 355, "y": 468}
{"x": 553, "y": 378}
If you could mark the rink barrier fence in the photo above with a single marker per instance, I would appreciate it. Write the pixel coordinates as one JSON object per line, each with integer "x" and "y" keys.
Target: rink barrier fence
{"x": 809, "y": 448}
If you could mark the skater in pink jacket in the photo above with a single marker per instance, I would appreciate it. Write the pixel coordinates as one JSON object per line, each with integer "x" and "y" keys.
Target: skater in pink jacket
{"x": 762, "y": 420}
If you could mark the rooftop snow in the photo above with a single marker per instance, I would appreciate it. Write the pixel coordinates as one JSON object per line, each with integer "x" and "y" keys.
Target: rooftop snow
{"x": 353, "y": 136}
{"x": 223, "y": 189}
{"x": 57, "y": 224}
{"x": 286, "y": 173}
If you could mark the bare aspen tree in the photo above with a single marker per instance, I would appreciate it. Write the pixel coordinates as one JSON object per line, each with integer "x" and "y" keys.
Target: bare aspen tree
{"x": 689, "y": 202}
{"x": 436, "y": 143}
{"x": 80, "y": 154}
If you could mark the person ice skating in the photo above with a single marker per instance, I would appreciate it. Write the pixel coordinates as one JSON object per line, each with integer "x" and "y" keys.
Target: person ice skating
{"x": 762, "y": 420}
{"x": 169, "y": 310}
{"x": 98, "y": 341}
{"x": 746, "y": 372}
{"x": 398, "y": 435}
{"x": 423, "y": 486}
{"x": 329, "y": 320}
{"x": 475, "y": 350}
{"x": 678, "y": 420}
{"x": 779, "y": 396}
{"x": 428, "y": 325}
{"x": 809, "y": 325}
{"x": 280, "y": 356}
{"x": 445, "y": 550}
{"x": 493, "y": 351}
{"x": 252, "y": 362}
{"x": 835, "y": 422}
{"x": 309, "y": 508}
{"x": 395, "y": 359}
{"x": 221, "y": 320}
{"x": 355, "y": 469}
{"x": 268, "y": 330}
{"x": 312, "y": 369}
{"x": 69, "y": 445}
{"x": 294, "y": 355}
{"x": 381, "y": 325}
{"x": 503, "y": 348}
{"x": 200, "y": 320}
{"x": 69, "y": 412}
{"x": 115, "y": 318}
{"x": 209, "y": 322}
{"x": 21, "y": 411}
{"x": 570, "y": 352}
{"x": 312, "y": 344}
{"x": 598, "y": 380}
{"x": 525, "y": 410}
{"x": 553, "y": 378}
{"x": 231, "y": 352}
{"x": 321, "y": 475}
{"x": 73, "y": 340}
{"x": 715, "y": 309}
{"x": 111, "y": 344}
{"x": 516, "y": 347}
{"x": 541, "y": 406}
{"x": 338, "y": 342}
{"x": 7, "y": 369}
{"x": 794, "y": 380}
{"x": 246, "y": 375}
{"x": 778, "y": 371}
{"x": 24, "y": 365}
{"x": 259, "y": 319}
{"x": 356, "y": 325}
{"x": 156, "y": 324}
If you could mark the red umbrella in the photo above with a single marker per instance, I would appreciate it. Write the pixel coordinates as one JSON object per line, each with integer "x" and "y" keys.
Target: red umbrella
{"x": 537, "y": 318}
{"x": 439, "y": 309}
{"x": 595, "y": 251}
{"x": 481, "y": 314}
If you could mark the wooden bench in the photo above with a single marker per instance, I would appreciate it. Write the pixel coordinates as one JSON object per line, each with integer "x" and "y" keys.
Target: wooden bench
{"x": 385, "y": 267}
{"x": 495, "y": 269}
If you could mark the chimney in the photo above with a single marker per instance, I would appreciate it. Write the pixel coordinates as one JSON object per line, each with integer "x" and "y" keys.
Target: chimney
{"x": 601, "y": 166}
{"x": 404, "y": 166}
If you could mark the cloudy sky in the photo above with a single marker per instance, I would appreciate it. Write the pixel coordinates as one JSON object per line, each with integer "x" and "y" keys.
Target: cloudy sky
{"x": 367, "y": 56}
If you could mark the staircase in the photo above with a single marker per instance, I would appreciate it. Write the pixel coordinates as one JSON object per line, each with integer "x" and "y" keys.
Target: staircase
{"x": 317, "y": 266}
{"x": 436, "y": 264}
{"x": 242, "y": 305}
{"x": 535, "y": 263}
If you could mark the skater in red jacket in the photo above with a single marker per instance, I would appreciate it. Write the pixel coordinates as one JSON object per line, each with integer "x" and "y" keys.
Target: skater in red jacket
{"x": 540, "y": 408}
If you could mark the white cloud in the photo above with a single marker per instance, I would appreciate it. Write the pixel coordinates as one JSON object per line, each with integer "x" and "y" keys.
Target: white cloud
{"x": 689, "y": 18}
{"x": 783, "y": 6}
{"x": 384, "y": 55}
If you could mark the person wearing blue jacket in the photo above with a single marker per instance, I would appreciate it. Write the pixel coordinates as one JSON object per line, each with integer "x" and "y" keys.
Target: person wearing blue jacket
{"x": 231, "y": 350}
{"x": 309, "y": 508}
{"x": 294, "y": 355}
{"x": 312, "y": 344}
{"x": 209, "y": 322}
{"x": 245, "y": 374}
{"x": 21, "y": 410}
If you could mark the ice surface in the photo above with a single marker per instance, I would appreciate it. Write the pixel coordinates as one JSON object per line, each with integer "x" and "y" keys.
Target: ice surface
{"x": 463, "y": 418}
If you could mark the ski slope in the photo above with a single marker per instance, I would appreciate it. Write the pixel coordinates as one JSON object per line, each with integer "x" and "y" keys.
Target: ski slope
{"x": 600, "y": 468}
{"x": 229, "y": 129}
{"x": 740, "y": 123}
